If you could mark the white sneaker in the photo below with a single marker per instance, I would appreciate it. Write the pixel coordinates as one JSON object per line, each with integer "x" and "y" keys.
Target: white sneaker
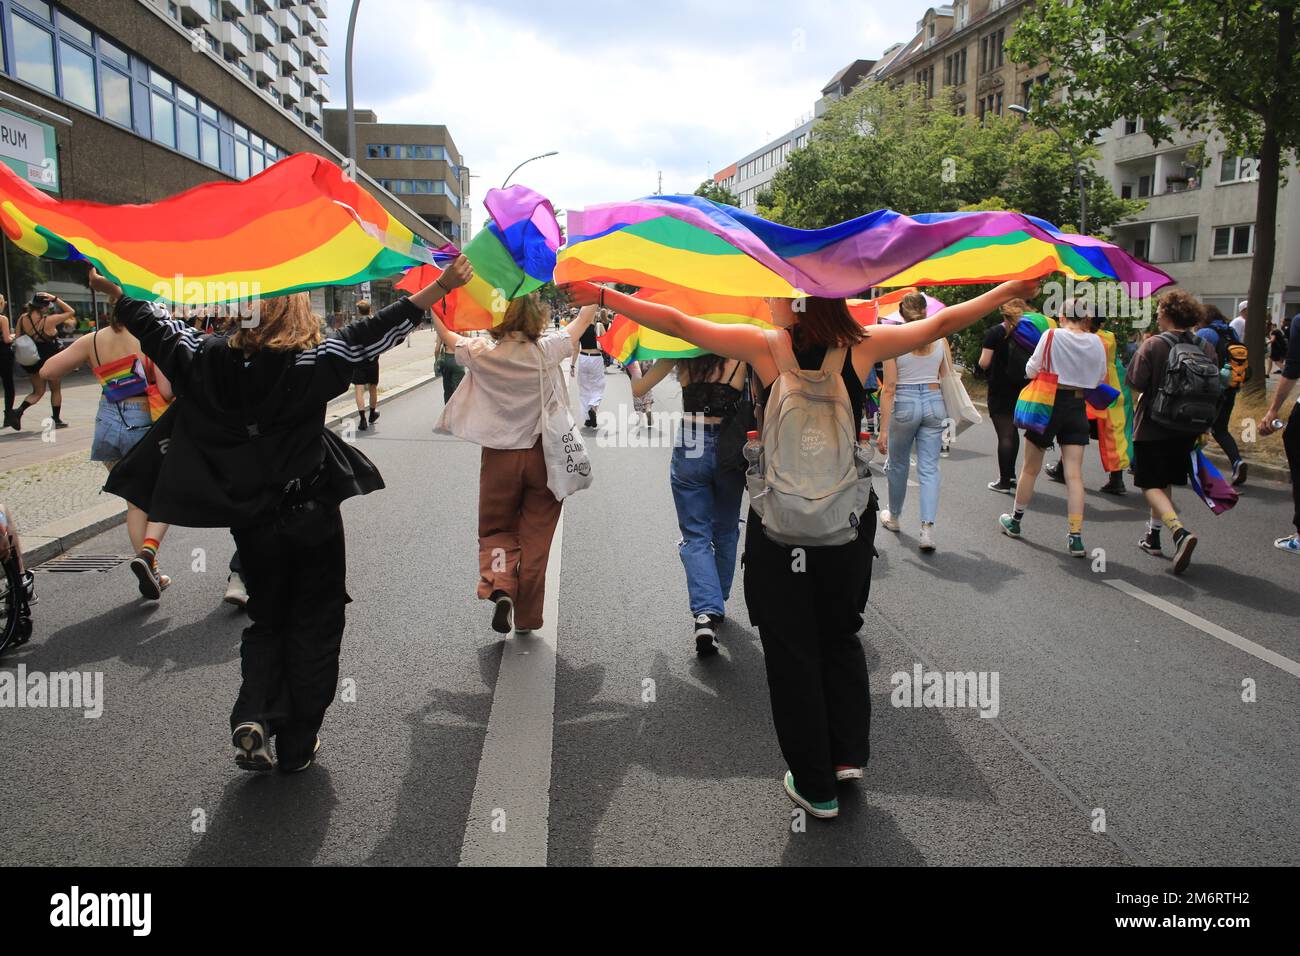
{"x": 927, "y": 537}
{"x": 887, "y": 522}
{"x": 236, "y": 593}
{"x": 252, "y": 749}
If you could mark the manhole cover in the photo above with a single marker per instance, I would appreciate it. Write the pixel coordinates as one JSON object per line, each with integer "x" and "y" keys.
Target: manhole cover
{"x": 76, "y": 563}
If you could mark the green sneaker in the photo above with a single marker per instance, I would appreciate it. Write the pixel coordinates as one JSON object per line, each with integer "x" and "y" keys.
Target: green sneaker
{"x": 1010, "y": 526}
{"x": 1075, "y": 546}
{"x": 822, "y": 811}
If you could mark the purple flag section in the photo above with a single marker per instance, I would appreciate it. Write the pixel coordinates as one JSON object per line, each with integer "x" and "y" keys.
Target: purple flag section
{"x": 1210, "y": 486}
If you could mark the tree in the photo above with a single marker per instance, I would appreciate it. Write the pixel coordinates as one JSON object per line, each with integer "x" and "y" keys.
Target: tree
{"x": 1196, "y": 65}
{"x": 717, "y": 192}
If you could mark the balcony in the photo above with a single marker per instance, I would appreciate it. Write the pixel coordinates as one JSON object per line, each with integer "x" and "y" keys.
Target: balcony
{"x": 260, "y": 7}
{"x": 289, "y": 56}
{"x": 320, "y": 7}
{"x": 309, "y": 49}
{"x": 290, "y": 91}
{"x": 311, "y": 109}
{"x": 289, "y": 25}
{"x": 322, "y": 89}
{"x": 322, "y": 60}
{"x": 194, "y": 13}
{"x": 307, "y": 77}
{"x": 265, "y": 67}
{"x": 265, "y": 34}
{"x": 230, "y": 9}
{"x": 234, "y": 44}
{"x": 323, "y": 34}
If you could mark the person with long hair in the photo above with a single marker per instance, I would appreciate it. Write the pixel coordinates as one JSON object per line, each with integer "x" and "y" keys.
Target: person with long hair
{"x": 1078, "y": 359}
{"x": 42, "y": 325}
{"x": 808, "y": 606}
{"x": 509, "y": 376}
{"x": 125, "y": 376}
{"x": 247, "y": 449}
{"x": 706, "y": 490}
{"x": 1003, "y": 362}
{"x": 912, "y": 412}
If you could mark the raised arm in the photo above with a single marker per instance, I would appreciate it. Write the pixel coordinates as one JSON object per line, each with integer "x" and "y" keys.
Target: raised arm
{"x": 658, "y": 372}
{"x": 171, "y": 343}
{"x": 891, "y": 341}
{"x": 71, "y": 358}
{"x": 50, "y": 324}
{"x": 744, "y": 343}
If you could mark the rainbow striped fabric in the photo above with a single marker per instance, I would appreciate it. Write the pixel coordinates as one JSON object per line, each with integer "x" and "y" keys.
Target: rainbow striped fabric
{"x": 297, "y": 225}
{"x": 1035, "y": 404}
{"x": 1030, "y": 329}
{"x": 627, "y": 341}
{"x": 693, "y": 243}
{"x": 884, "y": 308}
{"x": 122, "y": 378}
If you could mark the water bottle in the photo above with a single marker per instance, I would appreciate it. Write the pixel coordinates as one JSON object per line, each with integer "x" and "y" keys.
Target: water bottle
{"x": 753, "y": 452}
{"x": 863, "y": 453}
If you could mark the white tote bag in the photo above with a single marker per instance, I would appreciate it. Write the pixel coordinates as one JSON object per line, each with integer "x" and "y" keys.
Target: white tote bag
{"x": 568, "y": 466}
{"x": 955, "y": 397}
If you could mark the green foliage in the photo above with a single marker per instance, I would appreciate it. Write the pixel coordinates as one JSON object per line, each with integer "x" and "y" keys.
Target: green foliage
{"x": 717, "y": 192}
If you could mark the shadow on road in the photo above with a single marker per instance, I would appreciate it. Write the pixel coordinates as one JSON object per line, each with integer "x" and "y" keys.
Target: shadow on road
{"x": 269, "y": 819}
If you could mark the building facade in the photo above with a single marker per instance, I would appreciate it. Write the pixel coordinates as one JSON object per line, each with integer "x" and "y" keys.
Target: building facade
{"x": 136, "y": 104}
{"x": 417, "y": 162}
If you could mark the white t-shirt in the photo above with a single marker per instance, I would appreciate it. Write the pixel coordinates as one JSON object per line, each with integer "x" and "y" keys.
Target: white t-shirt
{"x": 499, "y": 404}
{"x": 1078, "y": 358}
{"x": 1238, "y": 326}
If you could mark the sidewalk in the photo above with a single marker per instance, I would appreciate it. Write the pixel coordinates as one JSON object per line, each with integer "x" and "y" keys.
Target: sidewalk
{"x": 50, "y": 486}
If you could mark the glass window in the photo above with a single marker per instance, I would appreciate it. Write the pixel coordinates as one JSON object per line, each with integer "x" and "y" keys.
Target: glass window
{"x": 241, "y": 132}
{"x": 75, "y": 30}
{"x": 164, "y": 119}
{"x": 112, "y": 53}
{"x": 1222, "y": 241}
{"x": 1241, "y": 240}
{"x": 208, "y": 110}
{"x": 159, "y": 81}
{"x": 116, "y": 89}
{"x": 78, "y": 70}
{"x": 242, "y": 160}
{"x": 187, "y": 98}
{"x": 33, "y": 54}
{"x": 259, "y": 162}
{"x": 187, "y": 133}
{"x": 210, "y": 154}
{"x": 38, "y": 7}
{"x": 256, "y": 140}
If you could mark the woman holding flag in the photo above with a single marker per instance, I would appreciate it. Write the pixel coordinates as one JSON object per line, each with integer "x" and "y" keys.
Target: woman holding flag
{"x": 808, "y": 606}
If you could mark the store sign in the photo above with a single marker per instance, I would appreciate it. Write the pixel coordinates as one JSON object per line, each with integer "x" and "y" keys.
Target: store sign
{"x": 29, "y": 149}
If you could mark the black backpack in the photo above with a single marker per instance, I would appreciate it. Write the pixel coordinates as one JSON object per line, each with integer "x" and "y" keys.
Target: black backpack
{"x": 1187, "y": 401}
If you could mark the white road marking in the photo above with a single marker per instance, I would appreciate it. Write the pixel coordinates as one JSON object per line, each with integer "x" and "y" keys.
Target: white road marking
{"x": 513, "y": 789}
{"x": 1209, "y": 627}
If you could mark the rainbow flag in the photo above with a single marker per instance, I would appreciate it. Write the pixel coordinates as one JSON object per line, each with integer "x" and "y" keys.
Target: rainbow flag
{"x": 122, "y": 378}
{"x": 512, "y": 256}
{"x": 1035, "y": 404}
{"x": 1113, "y": 428}
{"x": 1030, "y": 329}
{"x": 884, "y": 309}
{"x": 1209, "y": 484}
{"x": 627, "y": 341}
{"x": 297, "y": 225}
{"x": 694, "y": 243}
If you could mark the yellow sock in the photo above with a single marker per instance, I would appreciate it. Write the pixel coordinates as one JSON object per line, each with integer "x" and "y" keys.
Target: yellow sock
{"x": 1171, "y": 522}
{"x": 1076, "y": 524}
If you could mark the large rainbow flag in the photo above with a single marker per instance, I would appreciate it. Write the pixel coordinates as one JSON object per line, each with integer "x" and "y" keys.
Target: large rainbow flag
{"x": 694, "y": 243}
{"x": 627, "y": 341}
{"x": 297, "y": 225}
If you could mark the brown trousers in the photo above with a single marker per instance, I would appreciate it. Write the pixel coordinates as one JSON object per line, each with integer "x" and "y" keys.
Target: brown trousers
{"x": 517, "y": 515}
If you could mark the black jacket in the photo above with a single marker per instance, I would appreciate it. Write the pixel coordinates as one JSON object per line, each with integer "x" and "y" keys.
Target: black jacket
{"x": 243, "y": 429}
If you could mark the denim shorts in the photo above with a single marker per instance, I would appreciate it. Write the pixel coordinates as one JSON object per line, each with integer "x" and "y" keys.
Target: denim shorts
{"x": 118, "y": 426}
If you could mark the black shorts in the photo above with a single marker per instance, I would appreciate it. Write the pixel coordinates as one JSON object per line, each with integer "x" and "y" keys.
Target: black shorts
{"x": 1068, "y": 424}
{"x": 366, "y": 373}
{"x": 1002, "y": 403}
{"x": 1163, "y": 463}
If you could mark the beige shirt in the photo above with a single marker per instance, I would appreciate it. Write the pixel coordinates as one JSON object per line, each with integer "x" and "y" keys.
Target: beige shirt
{"x": 499, "y": 404}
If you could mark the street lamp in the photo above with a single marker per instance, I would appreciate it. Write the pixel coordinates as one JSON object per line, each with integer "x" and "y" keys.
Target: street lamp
{"x": 347, "y": 84}
{"x": 1078, "y": 167}
{"x": 525, "y": 163}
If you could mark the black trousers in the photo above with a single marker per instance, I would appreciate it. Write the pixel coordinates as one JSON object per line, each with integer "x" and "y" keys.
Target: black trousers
{"x": 1002, "y": 410}
{"x": 808, "y": 617}
{"x": 1291, "y": 441}
{"x": 7, "y": 374}
{"x": 1222, "y": 429}
{"x": 294, "y": 568}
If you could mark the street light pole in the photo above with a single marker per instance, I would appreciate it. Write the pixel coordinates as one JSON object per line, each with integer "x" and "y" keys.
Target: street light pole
{"x": 347, "y": 83}
{"x": 525, "y": 163}
{"x": 1075, "y": 161}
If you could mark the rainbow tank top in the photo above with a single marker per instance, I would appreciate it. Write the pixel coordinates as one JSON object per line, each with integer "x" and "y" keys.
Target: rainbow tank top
{"x": 122, "y": 378}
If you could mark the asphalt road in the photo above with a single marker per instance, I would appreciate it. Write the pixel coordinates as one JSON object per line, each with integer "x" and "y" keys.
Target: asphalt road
{"x": 1109, "y": 708}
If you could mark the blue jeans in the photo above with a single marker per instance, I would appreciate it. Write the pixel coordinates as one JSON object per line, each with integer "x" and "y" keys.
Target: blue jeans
{"x": 708, "y": 513}
{"x": 918, "y": 417}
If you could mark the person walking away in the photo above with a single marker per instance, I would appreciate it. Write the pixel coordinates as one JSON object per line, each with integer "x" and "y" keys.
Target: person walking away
{"x": 1078, "y": 359}
{"x": 1291, "y": 434}
{"x": 1277, "y": 350}
{"x": 807, "y": 600}
{"x": 247, "y": 449}
{"x": 1214, "y": 329}
{"x": 589, "y": 365}
{"x": 912, "y": 411}
{"x": 1109, "y": 426}
{"x": 7, "y": 360}
{"x": 1178, "y": 376}
{"x": 451, "y": 371}
{"x": 1003, "y": 362}
{"x": 41, "y": 325}
{"x": 509, "y": 376}
{"x": 125, "y": 376}
{"x": 706, "y": 489}
{"x": 365, "y": 377}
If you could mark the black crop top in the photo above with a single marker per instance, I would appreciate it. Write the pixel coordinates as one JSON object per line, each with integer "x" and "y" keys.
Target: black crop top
{"x": 713, "y": 399}
{"x": 812, "y": 358}
{"x": 588, "y": 340}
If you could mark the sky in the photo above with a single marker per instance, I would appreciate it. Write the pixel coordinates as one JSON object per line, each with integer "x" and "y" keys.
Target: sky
{"x": 622, "y": 89}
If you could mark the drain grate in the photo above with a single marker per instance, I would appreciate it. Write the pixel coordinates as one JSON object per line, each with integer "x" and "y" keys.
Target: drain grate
{"x": 78, "y": 563}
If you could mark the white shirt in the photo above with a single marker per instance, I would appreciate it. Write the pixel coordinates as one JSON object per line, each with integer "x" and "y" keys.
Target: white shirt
{"x": 1238, "y": 326}
{"x": 920, "y": 369}
{"x": 1078, "y": 358}
{"x": 499, "y": 403}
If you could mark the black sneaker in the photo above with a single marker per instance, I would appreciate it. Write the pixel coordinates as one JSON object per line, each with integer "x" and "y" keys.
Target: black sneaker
{"x": 1113, "y": 487}
{"x": 1150, "y": 543}
{"x": 374, "y": 415}
{"x": 1056, "y": 472}
{"x": 1184, "y": 545}
{"x": 1239, "y": 474}
{"x": 591, "y": 418}
{"x": 1001, "y": 488}
{"x": 717, "y": 620}
{"x": 706, "y": 641}
{"x": 361, "y": 422}
{"x": 504, "y": 612}
{"x": 60, "y": 423}
{"x": 147, "y": 574}
{"x": 298, "y": 766}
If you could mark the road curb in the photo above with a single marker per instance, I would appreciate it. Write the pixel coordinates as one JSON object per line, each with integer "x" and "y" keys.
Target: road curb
{"x": 57, "y": 537}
